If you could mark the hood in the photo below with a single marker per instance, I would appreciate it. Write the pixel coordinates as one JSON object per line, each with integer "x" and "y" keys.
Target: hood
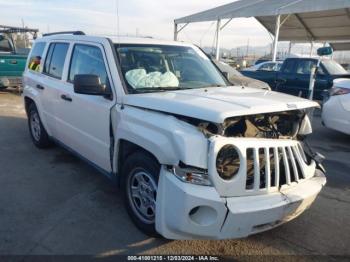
{"x": 218, "y": 103}
{"x": 248, "y": 82}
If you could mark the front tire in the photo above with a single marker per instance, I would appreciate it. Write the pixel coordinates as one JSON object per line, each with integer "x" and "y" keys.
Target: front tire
{"x": 37, "y": 131}
{"x": 140, "y": 174}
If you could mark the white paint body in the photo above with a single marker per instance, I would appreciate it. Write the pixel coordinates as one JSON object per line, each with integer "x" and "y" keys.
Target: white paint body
{"x": 226, "y": 209}
{"x": 336, "y": 111}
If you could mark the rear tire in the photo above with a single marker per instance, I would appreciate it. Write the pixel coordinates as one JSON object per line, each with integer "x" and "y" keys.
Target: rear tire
{"x": 37, "y": 131}
{"x": 140, "y": 174}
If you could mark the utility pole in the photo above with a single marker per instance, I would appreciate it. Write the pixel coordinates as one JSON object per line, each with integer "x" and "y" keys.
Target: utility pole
{"x": 247, "y": 48}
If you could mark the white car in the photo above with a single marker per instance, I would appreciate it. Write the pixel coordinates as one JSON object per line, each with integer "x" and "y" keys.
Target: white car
{"x": 266, "y": 66}
{"x": 336, "y": 110}
{"x": 193, "y": 156}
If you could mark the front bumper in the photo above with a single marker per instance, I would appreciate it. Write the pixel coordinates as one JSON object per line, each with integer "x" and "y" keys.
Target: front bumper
{"x": 186, "y": 211}
{"x": 10, "y": 81}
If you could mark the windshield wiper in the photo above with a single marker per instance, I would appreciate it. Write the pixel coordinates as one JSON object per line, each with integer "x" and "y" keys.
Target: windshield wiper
{"x": 214, "y": 85}
{"x": 159, "y": 89}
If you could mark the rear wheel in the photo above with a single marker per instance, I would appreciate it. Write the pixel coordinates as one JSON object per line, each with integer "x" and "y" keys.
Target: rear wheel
{"x": 37, "y": 131}
{"x": 139, "y": 183}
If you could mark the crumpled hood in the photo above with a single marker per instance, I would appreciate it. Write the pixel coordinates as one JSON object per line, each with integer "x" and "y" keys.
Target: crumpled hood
{"x": 218, "y": 103}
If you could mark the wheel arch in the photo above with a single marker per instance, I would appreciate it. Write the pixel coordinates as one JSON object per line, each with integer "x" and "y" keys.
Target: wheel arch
{"x": 28, "y": 101}
{"x": 126, "y": 148}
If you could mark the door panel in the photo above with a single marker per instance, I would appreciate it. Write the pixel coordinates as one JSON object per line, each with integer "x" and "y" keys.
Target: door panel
{"x": 83, "y": 125}
{"x": 83, "y": 120}
{"x": 51, "y": 83}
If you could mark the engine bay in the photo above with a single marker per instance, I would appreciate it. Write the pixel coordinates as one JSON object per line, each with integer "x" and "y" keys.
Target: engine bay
{"x": 277, "y": 125}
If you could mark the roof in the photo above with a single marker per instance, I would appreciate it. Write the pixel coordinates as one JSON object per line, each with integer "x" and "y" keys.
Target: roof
{"x": 340, "y": 46}
{"x": 114, "y": 39}
{"x": 308, "y": 20}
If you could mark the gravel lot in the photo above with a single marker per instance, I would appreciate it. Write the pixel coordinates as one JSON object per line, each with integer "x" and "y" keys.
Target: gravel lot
{"x": 53, "y": 203}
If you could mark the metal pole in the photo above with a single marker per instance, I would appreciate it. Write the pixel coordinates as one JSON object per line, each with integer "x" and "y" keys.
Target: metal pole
{"x": 313, "y": 79}
{"x": 290, "y": 48}
{"x": 175, "y": 32}
{"x": 218, "y": 30}
{"x": 312, "y": 48}
{"x": 277, "y": 32}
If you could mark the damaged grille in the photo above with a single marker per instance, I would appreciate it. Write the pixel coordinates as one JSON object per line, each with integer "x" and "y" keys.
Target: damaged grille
{"x": 274, "y": 166}
{"x": 265, "y": 165}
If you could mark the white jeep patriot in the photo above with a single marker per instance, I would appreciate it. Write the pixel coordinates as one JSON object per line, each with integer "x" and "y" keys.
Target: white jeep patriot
{"x": 193, "y": 156}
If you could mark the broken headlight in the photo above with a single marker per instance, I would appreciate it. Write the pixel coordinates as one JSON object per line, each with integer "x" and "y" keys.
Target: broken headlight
{"x": 191, "y": 175}
{"x": 228, "y": 162}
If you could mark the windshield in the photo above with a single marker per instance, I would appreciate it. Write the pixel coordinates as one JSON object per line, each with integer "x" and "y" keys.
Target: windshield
{"x": 334, "y": 68}
{"x": 156, "y": 68}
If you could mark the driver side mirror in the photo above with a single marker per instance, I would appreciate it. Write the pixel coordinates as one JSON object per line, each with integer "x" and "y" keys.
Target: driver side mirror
{"x": 90, "y": 85}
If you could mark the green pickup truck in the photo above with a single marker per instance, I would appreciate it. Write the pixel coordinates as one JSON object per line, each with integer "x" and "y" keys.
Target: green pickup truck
{"x": 12, "y": 59}
{"x": 11, "y": 64}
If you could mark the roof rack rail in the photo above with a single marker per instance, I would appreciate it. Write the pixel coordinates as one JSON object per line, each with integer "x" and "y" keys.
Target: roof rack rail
{"x": 65, "y": 33}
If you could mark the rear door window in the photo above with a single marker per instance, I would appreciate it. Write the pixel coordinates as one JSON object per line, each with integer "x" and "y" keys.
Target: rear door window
{"x": 36, "y": 56}
{"x": 55, "y": 59}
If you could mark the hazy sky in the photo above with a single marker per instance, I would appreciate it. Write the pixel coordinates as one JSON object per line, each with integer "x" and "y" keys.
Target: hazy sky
{"x": 145, "y": 17}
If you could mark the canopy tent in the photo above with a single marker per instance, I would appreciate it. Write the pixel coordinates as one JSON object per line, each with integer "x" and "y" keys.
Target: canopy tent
{"x": 287, "y": 20}
{"x": 340, "y": 46}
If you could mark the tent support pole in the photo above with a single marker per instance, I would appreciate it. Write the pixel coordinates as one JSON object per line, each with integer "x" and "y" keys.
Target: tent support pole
{"x": 311, "y": 48}
{"x": 218, "y": 35}
{"x": 290, "y": 47}
{"x": 175, "y": 31}
{"x": 277, "y": 32}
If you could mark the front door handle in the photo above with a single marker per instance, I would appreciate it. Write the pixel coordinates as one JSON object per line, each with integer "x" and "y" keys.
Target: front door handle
{"x": 66, "y": 98}
{"x": 40, "y": 87}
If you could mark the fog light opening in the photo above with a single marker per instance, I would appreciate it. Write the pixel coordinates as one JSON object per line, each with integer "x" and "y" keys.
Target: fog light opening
{"x": 203, "y": 215}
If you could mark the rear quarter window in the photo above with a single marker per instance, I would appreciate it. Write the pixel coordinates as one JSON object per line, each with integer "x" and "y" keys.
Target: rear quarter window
{"x": 36, "y": 56}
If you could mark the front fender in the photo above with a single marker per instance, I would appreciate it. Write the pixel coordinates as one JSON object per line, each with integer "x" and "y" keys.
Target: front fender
{"x": 169, "y": 139}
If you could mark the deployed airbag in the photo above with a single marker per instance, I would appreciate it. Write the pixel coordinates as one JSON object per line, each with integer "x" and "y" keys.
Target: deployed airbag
{"x": 138, "y": 78}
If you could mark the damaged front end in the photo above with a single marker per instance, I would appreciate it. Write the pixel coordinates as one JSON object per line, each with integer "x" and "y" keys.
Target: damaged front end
{"x": 259, "y": 176}
{"x": 277, "y": 125}
{"x": 259, "y": 153}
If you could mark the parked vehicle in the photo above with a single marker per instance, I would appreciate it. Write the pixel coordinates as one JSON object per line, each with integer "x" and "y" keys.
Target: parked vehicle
{"x": 12, "y": 62}
{"x": 194, "y": 156}
{"x": 12, "y": 65}
{"x": 237, "y": 79}
{"x": 265, "y": 66}
{"x": 336, "y": 109}
{"x": 294, "y": 76}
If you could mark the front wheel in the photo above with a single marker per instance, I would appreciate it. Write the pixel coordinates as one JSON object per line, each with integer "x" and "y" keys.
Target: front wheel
{"x": 139, "y": 183}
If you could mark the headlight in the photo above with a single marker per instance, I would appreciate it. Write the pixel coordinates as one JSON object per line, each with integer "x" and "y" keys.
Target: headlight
{"x": 192, "y": 175}
{"x": 227, "y": 162}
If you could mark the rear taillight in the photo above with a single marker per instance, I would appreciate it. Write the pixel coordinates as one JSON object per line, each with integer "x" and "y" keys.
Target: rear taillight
{"x": 337, "y": 91}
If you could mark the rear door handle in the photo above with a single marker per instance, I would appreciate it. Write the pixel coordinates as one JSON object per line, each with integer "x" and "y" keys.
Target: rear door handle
{"x": 66, "y": 98}
{"x": 40, "y": 87}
